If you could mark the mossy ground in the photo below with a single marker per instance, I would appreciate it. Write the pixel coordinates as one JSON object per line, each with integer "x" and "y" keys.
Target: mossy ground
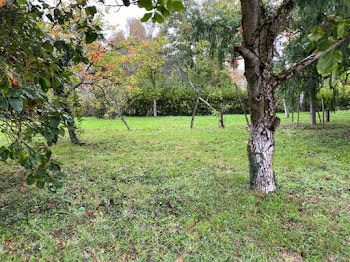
{"x": 164, "y": 192}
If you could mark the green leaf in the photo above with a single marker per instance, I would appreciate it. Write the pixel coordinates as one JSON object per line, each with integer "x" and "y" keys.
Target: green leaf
{"x": 14, "y": 92}
{"x": 165, "y": 12}
{"x": 309, "y": 47}
{"x": 126, "y": 2}
{"x": 329, "y": 62}
{"x": 16, "y": 103}
{"x": 40, "y": 184}
{"x": 323, "y": 45}
{"x": 158, "y": 18}
{"x": 46, "y": 45}
{"x": 30, "y": 179}
{"x": 54, "y": 122}
{"x": 316, "y": 34}
{"x": 90, "y": 36}
{"x": 4, "y": 153}
{"x": 54, "y": 67}
{"x": 3, "y": 102}
{"x": 343, "y": 29}
{"x": 146, "y": 17}
{"x": 147, "y": 4}
{"x": 44, "y": 82}
{"x": 169, "y": 4}
{"x": 178, "y": 6}
{"x": 91, "y": 10}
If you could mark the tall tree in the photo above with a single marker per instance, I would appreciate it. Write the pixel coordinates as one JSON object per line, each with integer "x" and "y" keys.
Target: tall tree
{"x": 261, "y": 25}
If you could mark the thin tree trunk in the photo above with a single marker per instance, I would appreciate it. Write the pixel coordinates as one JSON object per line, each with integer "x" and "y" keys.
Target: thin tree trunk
{"x": 298, "y": 110}
{"x": 154, "y": 107}
{"x": 292, "y": 117}
{"x": 286, "y": 110}
{"x": 222, "y": 116}
{"x": 115, "y": 105}
{"x": 313, "y": 109}
{"x": 194, "y": 112}
{"x": 319, "y": 117}
{"x": 322, "y": 111}
{"x": 72, "y": 134}
{"x": 327, "y": 115}
{"x": 242, "y": 105}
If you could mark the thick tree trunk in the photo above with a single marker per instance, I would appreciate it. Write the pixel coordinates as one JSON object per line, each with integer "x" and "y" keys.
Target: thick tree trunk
{"x": 261, "y": 147}
{"x": 313, "y": 109}
{"x": 264, "y": 121}
{"x": 286, "y": 110}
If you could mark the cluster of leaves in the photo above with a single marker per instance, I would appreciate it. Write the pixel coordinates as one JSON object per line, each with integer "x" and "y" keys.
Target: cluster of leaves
{"x": 325, "y": 36}
{"x": 161, "y": 9}
{"x": 35, "y": 72}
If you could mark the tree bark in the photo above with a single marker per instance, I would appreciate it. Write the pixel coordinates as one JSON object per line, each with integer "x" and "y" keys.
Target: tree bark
{"x": 154, "y": 107}
{"x": 72, "y": 134}
{"x": 222, "y": 117}
{"x": 313, "y": 109}
{"x": 322, "y": 111}
{"x": 242, "y": 105}
{"x": 286, "y": 110}
{"x": 327, "y": 115}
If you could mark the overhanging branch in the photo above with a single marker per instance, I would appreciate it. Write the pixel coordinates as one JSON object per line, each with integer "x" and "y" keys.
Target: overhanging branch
{"x": 280, "y": 17}
{"x": 296, "y": 68}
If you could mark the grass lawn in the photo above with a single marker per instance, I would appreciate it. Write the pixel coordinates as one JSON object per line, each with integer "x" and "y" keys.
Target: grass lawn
{"x": 163, "y": 192}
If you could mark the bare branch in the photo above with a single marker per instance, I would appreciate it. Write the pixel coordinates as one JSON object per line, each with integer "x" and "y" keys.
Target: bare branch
{"x": 195, "y": 89}
{"x": 296, "y": 68}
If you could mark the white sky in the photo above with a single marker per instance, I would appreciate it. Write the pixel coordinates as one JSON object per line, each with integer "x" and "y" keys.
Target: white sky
{"x": 117, "y": 17}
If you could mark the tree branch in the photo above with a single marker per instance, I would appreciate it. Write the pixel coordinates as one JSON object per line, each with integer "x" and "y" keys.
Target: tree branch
{"x": 280, "y": 17}
{"x": 195, "y": 89}
{"x": 246, "y": 53}
{"x": 296, "y": 68}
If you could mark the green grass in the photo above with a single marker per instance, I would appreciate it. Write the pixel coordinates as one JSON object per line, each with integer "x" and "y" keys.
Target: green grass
{"x": 163, "y": 192}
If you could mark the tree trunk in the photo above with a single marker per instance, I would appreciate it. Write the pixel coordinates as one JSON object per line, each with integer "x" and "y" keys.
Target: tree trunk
{"x": 222, "y": 117}
{"x": 242, "y": 105}
{"x": 327, "y": 115}
{"x": 72, "y": 134}
{"x": 194, "y": 112}
{"x": 260, "y": 30}
{"x": 286, "y": 110}
{"x": 261, "y": 147}
{"x": 298, "y": 110}
{"x": 264, "y": 121}
{"x": 322, "y": 111}
{"x": 319, "y": 117}
{"x": 313, "y": 109}
{"x": 154, "y": 107}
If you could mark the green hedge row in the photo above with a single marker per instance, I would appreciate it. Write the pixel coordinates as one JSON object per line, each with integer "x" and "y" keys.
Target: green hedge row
{"x": 175, "y": 101}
